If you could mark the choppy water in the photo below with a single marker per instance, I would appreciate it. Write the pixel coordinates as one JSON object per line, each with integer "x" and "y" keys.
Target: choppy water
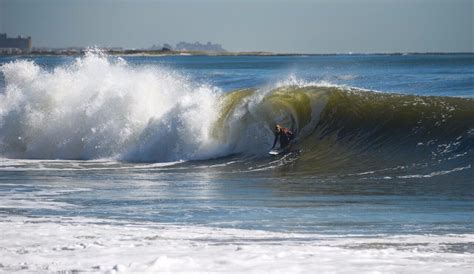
{"x": 384, "y": 145}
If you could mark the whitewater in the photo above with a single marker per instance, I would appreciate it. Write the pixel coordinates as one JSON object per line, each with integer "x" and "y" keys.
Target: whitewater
{"x": 96, "y": 108}
{"x": 143, "y": 164}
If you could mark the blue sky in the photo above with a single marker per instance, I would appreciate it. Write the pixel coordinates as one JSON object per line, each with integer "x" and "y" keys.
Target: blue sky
{"x": 307, "y": 26}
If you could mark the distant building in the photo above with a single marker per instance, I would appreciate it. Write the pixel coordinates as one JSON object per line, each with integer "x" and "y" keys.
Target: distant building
{"x": 196, "y": 46}
{"x": 167, "y": 47}
{"x": 20, "y": 43}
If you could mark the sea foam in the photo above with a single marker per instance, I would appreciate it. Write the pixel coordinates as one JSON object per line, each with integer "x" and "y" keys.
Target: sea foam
{"x": 107, "y": 246}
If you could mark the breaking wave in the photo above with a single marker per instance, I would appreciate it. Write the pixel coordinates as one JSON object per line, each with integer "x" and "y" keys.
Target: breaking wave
{"x": 99, "y": 107}
{"x": 102, "y": 107}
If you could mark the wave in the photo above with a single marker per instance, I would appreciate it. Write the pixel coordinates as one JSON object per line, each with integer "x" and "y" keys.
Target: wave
{"x": 343, "y": 128}
{"x": 102, "y": 107}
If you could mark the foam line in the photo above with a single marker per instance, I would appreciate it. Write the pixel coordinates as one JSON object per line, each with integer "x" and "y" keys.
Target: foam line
{"x": 98, "y": 245}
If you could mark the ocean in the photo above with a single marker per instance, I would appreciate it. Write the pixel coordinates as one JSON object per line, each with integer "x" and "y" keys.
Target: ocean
{"x": 160, "y": 163}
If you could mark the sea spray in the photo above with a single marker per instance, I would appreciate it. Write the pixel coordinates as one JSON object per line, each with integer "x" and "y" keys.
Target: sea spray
{"x": 102, "y": 107}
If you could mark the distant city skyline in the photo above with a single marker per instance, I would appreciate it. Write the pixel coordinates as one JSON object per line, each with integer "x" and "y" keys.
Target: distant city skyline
{"x": 304, "y": 26}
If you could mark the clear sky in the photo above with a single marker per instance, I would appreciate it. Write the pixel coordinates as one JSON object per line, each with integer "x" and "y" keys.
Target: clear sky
{"x": 306, "y": 26}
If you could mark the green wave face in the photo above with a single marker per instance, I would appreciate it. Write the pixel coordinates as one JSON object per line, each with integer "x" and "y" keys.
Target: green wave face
{"x": 350, "y": 129}
{"x": 247, "y": 117}
{"x": 367, "y": 129}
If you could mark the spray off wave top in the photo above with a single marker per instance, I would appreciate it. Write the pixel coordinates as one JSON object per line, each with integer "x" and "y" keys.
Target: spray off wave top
{"x": 100, "y": 107}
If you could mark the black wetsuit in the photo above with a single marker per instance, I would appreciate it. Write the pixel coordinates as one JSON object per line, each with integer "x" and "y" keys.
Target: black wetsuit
{"x": 285, "y": 137}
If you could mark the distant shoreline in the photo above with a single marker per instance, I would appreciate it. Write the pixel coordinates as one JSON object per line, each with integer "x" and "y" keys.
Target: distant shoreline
{"x": 204, "y": 53}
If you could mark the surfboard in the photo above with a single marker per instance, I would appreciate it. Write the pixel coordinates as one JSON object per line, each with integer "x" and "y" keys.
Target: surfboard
{"x": 279, "y": 151}
{"x": 273, "y": 152}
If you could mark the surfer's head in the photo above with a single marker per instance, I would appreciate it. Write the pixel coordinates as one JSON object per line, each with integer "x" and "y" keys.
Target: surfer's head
{"x": 277, "y": 128}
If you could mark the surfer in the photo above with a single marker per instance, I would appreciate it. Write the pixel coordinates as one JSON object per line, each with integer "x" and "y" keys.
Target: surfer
{"x": 285, "y": 135}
